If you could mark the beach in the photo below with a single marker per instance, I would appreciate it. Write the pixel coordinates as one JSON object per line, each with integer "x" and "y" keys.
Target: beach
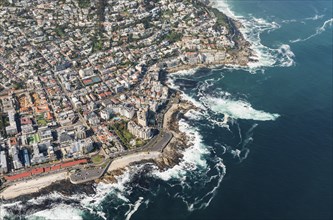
{"x": 31, "y": 186}
{"x": 124, "y": 161}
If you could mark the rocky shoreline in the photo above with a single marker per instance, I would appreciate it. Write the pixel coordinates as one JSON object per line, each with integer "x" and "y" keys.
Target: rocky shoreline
{"x": 64, "y": 187}
{"x": 172, "y": 154}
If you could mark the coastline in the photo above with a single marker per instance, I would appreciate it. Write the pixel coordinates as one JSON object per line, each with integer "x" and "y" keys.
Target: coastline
{"x": 127, "y": 160}
{"x": 172, "y": 154}
{"x": 31, "y": 186}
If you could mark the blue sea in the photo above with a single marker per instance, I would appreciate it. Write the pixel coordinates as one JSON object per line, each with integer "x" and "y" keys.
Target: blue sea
{"x": 261, "y": 136}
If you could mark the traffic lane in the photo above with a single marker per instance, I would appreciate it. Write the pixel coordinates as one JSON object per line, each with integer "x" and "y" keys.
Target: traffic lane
{"x": 87, "y": 174}
{"x": 164, "y": 140}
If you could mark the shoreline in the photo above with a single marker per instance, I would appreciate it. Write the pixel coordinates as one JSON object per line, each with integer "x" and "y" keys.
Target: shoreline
{"x": 127, "y": 160}
{"x": 31, "y": 186}
{"x": 239, "y": 56}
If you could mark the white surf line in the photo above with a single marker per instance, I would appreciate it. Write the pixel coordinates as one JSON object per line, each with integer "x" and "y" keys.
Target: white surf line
{"x": 315, "y": 17}
{"x": 327, "y": 23}
{"x": 60, "y": 211}
{"x": 136, "y": 206}
{"x": 237, "y": 109}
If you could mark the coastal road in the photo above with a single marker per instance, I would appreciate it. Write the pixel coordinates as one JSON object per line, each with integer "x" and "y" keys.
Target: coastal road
{"x": 157, "y": 143}
{"x": 85, "y": 175}
{"x": 160, "y": 142}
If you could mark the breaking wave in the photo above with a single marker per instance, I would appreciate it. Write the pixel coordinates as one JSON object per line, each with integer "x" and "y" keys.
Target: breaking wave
{"x": 237, "y": 109}
{"x": 319, "y": 30}
{"x": 60, "y": 211}
{"x": 315, "y": 17}
{"x": 200, "y": 171}
{"x": 134, "y": 208}
{"x": 58, "y": 206}
{"x": 195, "y": 166}
{"x": 252, "y": 29}
{"x": 193, "y": 157}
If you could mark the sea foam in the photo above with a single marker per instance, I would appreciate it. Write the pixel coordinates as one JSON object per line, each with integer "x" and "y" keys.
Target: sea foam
{"x": 193, "y": 157}
{"x": 60, "y": 211}
{"x": 237, "y": 109}
{"x": 252, "y": 29}
{"x": 327, "y": 24}
{"x": 133, "y": 208}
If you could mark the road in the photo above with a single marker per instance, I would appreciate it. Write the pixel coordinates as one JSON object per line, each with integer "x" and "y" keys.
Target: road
{"x": 85, "y": 175}
{"x": 160, "y": 142}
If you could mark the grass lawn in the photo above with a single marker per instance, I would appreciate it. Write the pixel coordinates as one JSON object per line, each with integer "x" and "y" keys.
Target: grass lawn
{"x": 41, "y": 121}
{"x": 30, "y": 140}
{"x": 97, "y": 159}
{"x": 35, "y": 138}
{"x": 127, "y": 135}
{"x": 122, "y": 132}
{"x": 140, "y": 143}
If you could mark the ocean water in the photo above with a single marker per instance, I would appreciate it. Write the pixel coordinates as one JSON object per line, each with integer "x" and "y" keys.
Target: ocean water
{"x": 262, "y": 137}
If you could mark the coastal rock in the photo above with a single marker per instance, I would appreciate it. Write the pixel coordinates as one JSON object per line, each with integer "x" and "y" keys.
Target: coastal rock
{"x": 64, "y": 187}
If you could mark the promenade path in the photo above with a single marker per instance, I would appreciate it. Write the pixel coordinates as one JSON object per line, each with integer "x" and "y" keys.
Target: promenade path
{"x": 31, "y": 186}
{"x": 124, "y": 161}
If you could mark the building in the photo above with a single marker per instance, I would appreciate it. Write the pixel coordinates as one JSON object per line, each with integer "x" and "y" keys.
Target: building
{"x": 125, "y": 110}
{"x": 93, "y": 119}
{"x": 119, "y": 89}
{"x": 3, "y": 162}
{"x": 86, "y": 73}
{"x": 12, "y": 1}
{"x": 65, "y": 138}
{"x": 106, "y": 113}
{"x": 67, "y": 118}
{"x": 77, "y": 103}
{"x": 27, "y": 129}
{"x": 82, "y": 146}
{"x": 142, "y": 116}
{"x": 26, "y": 158}
{"x": 14, "y": 152}
{"x": 8, "y": 104}
{"x": 11, "y": 129}
{"x": 46, "y": 135}
{"x": 40, "y": 153}
{"x": 138, "y": 131}
{"x": 81, "y": 132}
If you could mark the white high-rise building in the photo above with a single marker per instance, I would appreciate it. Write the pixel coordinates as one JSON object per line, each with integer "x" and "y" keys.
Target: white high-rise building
{"x": 3, "y": 162}
{"x": 138, "y": 131}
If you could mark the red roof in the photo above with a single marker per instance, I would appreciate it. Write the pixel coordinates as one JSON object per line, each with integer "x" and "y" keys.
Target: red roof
{"x": 18, "y": 176}
{"x": 45, "y": 169}
{"x": 37, "y": 171}
{"x": 86, "y": 81}
{"x": 56, "y": 167}
{"x": 73, "y": 163}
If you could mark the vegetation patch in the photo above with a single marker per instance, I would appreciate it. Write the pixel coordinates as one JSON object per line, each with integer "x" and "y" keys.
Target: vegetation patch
{"x": 122, "y": 132}
{"x": 173, "y": 36}
{"x": 84, "y": 3}
{"x": 33, "y": 139}
{"x": 60, "y": 30}
{"x": 97, "y": 159}
{"x": 41, "y": 121}
{"x": 140, "y": 143}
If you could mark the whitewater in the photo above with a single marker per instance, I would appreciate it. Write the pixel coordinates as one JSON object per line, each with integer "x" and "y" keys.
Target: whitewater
{"x": 196, "y": 180}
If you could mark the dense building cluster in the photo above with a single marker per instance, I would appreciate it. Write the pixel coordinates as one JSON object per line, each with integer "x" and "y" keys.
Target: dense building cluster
{"x": 71, "y": 69}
